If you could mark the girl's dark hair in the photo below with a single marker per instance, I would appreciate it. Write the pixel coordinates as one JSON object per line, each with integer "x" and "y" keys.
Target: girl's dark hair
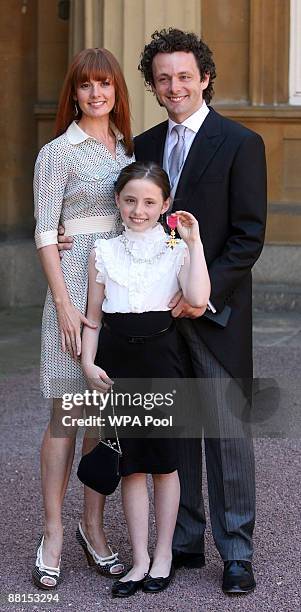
{"x": 144, "y": 170}
{"x": 171, "y": 40}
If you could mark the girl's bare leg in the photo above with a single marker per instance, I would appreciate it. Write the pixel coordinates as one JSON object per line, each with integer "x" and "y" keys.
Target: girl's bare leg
{"x": 166, "y": 498}
{"x": 92, "y": 520}
{"x": 136, "y": 509}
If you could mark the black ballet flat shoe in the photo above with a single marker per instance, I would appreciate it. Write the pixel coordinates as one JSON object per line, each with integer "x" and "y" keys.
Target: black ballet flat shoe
{"x": 238, "y": 577}
{"x": 128, "y": 588}
{"x": 190, "y": 560}
{"x": 155, "y": 585}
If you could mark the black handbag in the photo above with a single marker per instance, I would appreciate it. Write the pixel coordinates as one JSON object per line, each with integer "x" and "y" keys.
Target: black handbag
{"x": 99, "y": 469}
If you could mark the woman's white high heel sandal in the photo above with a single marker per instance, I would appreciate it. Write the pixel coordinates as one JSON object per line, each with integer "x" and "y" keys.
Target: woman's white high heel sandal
{"x": 104, "y": 565}
{"x": 42, "y": 571}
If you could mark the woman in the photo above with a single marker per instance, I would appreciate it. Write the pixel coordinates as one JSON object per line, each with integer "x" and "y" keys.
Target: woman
{"x": 74, "y": 185}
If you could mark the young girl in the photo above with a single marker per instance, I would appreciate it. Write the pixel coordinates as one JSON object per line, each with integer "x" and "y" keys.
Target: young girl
{"x": 132, "y": 279}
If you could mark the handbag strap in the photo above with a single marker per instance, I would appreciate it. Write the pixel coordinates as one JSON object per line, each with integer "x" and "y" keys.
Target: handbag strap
{"x": 108, "y": 442}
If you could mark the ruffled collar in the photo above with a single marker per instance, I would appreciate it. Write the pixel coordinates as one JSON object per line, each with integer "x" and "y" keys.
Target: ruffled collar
{"x": 153, "y": 234}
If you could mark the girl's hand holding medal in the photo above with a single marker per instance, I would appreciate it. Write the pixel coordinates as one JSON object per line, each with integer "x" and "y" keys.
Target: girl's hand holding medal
{"x": 187, "y": 226}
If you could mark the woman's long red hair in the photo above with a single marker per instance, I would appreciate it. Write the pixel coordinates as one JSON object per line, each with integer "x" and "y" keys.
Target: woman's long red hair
{"x": 96, "y": 64}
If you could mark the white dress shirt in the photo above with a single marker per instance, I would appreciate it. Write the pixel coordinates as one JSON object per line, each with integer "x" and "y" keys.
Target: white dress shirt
{"x": 132, "y": 285}
{"x": 193, "y": 124}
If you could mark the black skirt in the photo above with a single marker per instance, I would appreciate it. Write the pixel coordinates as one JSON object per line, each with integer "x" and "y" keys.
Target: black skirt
{"x": 142, "y": 346}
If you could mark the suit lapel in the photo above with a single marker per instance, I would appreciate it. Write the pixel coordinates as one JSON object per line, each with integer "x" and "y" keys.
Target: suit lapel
{"x": 158, "y": 143}
{"x": 205, "y": 145}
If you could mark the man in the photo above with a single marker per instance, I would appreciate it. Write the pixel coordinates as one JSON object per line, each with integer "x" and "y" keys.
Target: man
{"x": 218, "y": 173}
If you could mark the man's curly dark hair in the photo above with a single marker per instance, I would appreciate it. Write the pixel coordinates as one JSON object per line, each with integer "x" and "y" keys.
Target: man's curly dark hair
{"x": 171, "y": 40}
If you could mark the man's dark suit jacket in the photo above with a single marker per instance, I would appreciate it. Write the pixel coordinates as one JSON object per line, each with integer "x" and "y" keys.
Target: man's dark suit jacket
{"x": 223, "y": 183}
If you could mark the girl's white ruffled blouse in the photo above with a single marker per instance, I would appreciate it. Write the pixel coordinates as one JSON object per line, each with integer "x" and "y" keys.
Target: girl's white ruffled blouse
{"x": 139, "y": 271}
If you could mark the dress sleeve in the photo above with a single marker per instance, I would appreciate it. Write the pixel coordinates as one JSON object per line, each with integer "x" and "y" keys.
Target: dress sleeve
{"x": 181, "y": 254}
{"x": 99, "y": 263}
{"x": 50, "y": 179}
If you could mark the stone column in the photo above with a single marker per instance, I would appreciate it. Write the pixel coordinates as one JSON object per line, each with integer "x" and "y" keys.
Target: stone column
{"x": 51, "y": 67}
{"x": 269, "y": 51}
{"x": 134, "y": 23}
{"x": 17, "y": 125}
{"x": 86, "y": 25}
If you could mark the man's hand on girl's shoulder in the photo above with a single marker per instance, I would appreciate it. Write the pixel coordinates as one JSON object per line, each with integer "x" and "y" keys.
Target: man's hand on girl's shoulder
{"x": 65, "y": 243}
{"x": 180, "y": 308}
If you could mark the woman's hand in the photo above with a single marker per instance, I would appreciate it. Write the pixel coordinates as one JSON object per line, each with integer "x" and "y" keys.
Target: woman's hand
{"x": 187, "y": 227}
{"x": 70, "y": 320}
{"x": 97, "y": 378}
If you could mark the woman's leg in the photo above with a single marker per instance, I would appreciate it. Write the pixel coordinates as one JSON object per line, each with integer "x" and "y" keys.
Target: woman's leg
{"x": 166, "y": 498}
{"x": 57, "y": 454}
{"x": 136, "y": 510}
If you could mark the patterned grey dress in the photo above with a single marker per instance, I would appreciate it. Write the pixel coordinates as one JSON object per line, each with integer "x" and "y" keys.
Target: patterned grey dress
{"x": 73, "y": 183}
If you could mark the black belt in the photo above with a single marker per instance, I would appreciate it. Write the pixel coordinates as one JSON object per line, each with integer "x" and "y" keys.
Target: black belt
{"x": 138, "y": 339}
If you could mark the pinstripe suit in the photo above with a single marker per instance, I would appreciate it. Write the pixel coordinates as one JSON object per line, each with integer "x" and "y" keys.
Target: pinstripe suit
{"x": 229, "y": 461}
{"x": 223, "y": 183}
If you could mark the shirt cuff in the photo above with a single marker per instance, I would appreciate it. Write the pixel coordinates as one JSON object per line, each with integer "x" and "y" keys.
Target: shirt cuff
{"x": 211, "y": 307}
{"x": 46, "y": 238}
